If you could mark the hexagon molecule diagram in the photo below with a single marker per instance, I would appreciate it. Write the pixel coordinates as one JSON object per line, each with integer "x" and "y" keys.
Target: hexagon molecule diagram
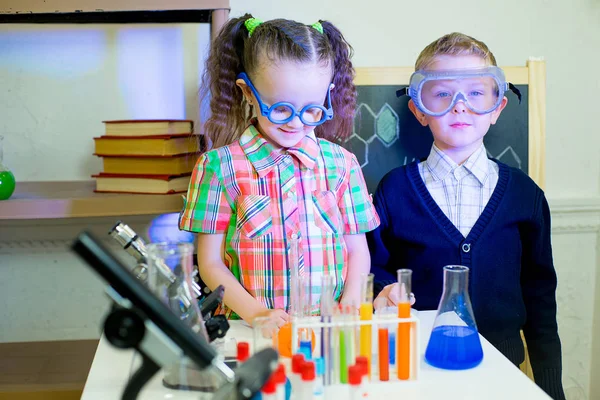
{"x": 385, "y": 128}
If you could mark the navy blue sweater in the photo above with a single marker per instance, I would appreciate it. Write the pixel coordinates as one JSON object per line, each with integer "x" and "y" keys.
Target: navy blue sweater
{"x": 512, "y": 281}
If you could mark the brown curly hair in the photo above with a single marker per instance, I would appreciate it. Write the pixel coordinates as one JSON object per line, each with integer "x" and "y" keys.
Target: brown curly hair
{"x": 233, "y": 51}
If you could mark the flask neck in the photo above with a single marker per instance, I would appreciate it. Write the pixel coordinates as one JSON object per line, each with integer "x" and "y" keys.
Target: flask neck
{"x": 456, "y": 280}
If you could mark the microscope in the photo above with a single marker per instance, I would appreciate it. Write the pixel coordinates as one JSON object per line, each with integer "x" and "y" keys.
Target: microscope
{"x": 216, "y": 325}
{"x": 141, "y": 321}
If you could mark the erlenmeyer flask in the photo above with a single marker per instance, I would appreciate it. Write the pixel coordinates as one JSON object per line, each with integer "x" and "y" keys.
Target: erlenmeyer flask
{"x": 454, "y": 341}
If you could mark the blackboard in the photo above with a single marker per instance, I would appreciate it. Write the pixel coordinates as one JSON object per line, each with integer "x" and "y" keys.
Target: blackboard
{"x": 387, "y": 135}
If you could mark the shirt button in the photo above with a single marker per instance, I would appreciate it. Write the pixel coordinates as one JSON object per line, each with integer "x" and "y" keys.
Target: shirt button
{"x": 466, "y": 247}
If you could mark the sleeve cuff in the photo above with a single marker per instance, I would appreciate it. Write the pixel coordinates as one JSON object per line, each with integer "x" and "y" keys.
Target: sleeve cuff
{"x": 363, "y": 227}
{"x": 550, "y": 380}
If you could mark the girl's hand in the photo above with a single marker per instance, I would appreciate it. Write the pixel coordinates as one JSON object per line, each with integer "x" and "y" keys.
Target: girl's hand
{"x": 389, "y": 297}
{"x": 277, "y": 317}
{"x": 351, "y": 300}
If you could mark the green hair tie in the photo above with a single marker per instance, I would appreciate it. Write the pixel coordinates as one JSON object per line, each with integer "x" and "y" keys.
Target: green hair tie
{"x": 251, "y": 24}
{"x": 317, "y": 25}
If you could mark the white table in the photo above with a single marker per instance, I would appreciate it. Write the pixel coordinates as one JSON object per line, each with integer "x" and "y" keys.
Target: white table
{"x": 495, "y": 378}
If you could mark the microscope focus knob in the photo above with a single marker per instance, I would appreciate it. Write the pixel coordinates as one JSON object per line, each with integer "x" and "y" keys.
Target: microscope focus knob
{"x": 124, "y": 328}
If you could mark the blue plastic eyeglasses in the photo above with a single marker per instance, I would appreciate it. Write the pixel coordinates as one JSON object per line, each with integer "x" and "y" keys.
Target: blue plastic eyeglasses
{"x": 283, "y": 112}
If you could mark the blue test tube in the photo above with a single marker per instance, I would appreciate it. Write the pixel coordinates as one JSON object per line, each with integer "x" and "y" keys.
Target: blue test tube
{"x": 306, "y": 349}
{"x": 392, "y": 346}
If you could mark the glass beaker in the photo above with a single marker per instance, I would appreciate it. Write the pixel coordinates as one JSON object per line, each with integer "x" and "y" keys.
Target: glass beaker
{"x": 170, "y": 278}
{"x": 454, "y": 341}
{"x": 265, "y": 334}
{"x": 7, "y": 179}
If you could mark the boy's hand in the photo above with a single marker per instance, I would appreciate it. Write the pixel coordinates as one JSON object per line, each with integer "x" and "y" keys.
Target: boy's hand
{"x": 389, "y": 297}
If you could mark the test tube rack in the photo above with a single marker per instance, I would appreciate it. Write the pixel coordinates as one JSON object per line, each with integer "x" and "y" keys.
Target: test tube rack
{"x": 405, "y": 330}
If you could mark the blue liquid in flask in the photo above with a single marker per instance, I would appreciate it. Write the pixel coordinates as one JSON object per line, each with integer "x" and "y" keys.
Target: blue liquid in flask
{"x": 454, "y": 347}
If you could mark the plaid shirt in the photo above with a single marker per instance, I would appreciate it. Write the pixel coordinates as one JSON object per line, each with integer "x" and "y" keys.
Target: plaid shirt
{"x": 259, "y": 198}
{"x": 461, "y": 191}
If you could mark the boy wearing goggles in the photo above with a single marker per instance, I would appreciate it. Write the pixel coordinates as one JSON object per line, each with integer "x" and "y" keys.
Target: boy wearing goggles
{"x": 458, "y": 207}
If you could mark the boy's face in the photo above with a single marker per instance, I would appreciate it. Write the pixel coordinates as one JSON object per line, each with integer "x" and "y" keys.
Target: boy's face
{"x": 459, "y": 132}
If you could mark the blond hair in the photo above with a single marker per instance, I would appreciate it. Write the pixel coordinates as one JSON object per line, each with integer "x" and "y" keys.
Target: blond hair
{"x": 455, "y": 44}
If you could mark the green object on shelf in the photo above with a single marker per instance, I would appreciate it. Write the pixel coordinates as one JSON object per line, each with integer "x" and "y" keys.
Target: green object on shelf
{"x": 7, "y": 184}
{"x": 7, "y": 179}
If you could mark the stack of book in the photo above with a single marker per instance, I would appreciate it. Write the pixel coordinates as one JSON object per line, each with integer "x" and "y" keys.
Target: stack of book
{"x": 147, "y": 156}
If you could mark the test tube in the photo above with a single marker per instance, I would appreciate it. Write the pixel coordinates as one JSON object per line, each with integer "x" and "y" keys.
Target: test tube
{"x": 386, "y": 341}
{"x": 384, "y": 353}
{"x": 348, "y": 339}
{"x": 282, "y": 382}
{"x": 335, "y": 348}
{"x": 295, "y": 304}
{"x": 403, "y": 336}
{"x": 243, "y": 352}
{"x": 293, "y": 264}
{"x": 353, "y": 329}
{"x": 343, "y": 345}
{"x": 327, "y": 288}
{"x": 366, "y": 314}
{"x": 320, "y": 369}
{"x": 308, "y": 378}
{"x": 269, "y": 390}
{"x": 355, "y": 380}
{"x": 305, "y": 311}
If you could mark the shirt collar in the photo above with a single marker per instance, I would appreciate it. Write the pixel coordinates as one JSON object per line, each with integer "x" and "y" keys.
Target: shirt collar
{"x": 440, "y": 164}
{"x": 263, "y": 156}
{"x": 478, "y": 165}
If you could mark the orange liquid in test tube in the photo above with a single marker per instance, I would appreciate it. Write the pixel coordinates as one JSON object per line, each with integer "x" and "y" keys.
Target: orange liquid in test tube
{"x": 403, "y": 343}
{"x": 366, "y": 314}
{"x": 384, "y": 355}
{"x": 403, "y": 336}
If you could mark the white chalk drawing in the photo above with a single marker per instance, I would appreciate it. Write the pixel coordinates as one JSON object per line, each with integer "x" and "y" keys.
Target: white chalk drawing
{"x": 386, "y": 128}
{"x": 507, "y": 152}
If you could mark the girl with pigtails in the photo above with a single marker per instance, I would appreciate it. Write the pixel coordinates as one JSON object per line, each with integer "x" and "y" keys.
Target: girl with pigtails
{"x": 281, "y": 95}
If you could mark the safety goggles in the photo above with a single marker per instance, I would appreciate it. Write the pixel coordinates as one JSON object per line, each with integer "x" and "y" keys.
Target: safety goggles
{"x": 437, "y": 92}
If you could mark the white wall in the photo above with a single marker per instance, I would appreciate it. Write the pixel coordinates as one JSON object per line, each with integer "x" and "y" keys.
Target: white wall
{"x": 58, "y": 82}
{"x": 576, "y": 241}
